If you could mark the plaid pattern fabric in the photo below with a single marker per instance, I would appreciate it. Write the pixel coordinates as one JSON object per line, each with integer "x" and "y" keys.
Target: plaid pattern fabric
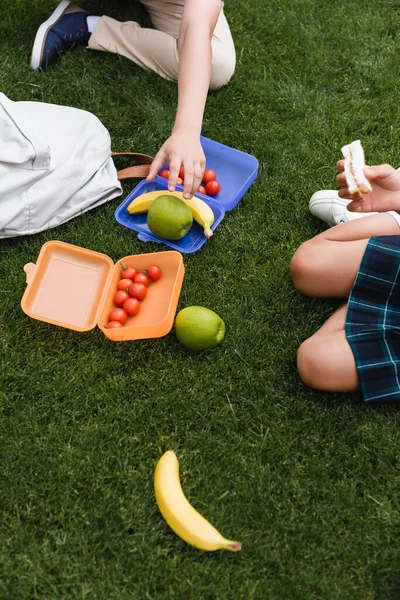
{"x": 373, "y": 320}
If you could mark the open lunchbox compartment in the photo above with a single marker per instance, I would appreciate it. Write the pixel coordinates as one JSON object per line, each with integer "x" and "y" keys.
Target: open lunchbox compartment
{"x": 73, "y": 287}
{"x": 191, "y": 242}
{"x": 235, "y": 171}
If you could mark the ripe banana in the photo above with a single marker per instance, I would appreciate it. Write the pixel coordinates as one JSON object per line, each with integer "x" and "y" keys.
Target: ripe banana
{"x": 179, "y": 514}
{"x": 143, "y": 202}
{"x": 201, "y": 212}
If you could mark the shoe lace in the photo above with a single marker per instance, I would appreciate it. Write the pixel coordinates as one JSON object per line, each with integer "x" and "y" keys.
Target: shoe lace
{"x": 74, "y": 37}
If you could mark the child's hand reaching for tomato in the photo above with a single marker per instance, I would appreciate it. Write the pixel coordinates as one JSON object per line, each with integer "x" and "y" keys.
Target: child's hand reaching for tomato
{"x": 183, "y": 148}
{"x": 385, "y": 195}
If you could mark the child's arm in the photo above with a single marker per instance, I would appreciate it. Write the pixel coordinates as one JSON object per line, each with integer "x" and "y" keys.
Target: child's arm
{"x": 194, "y": 46}
{"x": 385, "y": 195}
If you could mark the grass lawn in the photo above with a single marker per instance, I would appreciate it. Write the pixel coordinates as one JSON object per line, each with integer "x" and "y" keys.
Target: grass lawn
{"x": 309, "y": 482}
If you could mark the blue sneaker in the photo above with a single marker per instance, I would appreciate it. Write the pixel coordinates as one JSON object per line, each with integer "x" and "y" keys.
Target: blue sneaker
{"x": 65, "y": 28}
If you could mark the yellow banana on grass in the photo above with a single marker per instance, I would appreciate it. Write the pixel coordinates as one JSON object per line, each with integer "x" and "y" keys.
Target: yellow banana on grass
{"x": 180, "y": 515}
{"x": 201, "y": 212}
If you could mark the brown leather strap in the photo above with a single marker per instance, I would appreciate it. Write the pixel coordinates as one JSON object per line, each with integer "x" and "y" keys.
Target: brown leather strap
{"x": 131, "y": 172}
{"x": 141, "y": 170}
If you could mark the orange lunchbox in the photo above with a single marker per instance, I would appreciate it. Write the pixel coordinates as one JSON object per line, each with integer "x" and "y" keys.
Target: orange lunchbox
{"x": 73, "y": 287}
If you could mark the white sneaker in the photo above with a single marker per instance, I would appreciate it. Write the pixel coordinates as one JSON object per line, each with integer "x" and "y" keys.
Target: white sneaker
{"x": 330, "y": 208}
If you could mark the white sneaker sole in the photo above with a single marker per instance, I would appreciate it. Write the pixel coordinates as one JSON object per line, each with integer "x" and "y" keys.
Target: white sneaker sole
{"x": 38, "y": 44}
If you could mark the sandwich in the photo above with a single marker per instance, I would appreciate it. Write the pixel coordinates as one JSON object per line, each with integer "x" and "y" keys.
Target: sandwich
{"x": 354, "y": 164}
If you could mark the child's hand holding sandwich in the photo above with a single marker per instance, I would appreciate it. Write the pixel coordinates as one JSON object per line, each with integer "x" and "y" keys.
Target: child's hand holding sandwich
{"x": 371, "y": 189}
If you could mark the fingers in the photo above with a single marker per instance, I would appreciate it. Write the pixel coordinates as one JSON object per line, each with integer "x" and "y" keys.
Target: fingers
{"x": 344, "y": 193}
{"x": 356, "y": 200}
{"x": 341, "y": 180}
{"x": 180, "y": 152}
{"x": 174, "y": 166}
{"x": 193, "y": 176}
{"x": 373, "y": 173}
{"x": 198, "y": 175}
{"x": 340, "y": 165}
{"x": 157, "y": 163}
{"x": 188, "y": 179}
{"x": 379, "y": 171}
{"x": 355, "y": 206}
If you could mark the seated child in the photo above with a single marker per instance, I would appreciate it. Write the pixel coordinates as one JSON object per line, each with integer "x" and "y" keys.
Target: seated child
{"x": 190, "y": 42}
{"x": 358, "y": 260}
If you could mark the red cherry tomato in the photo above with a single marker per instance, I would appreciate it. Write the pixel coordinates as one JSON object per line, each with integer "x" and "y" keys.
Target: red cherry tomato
{"x": 118, "y": 314}
{"x": 181, "y": 173}
{"x": 212, "y": 188}
{"x": 124, "y": 283}
{"x": 120, "y": 297}
{"x": 128, "y": 273}
{"x": 114, "y": 325}
{"x": 179, "y": 180}
{"x": 137, "y": 290}
{"x": 132, "y": 306}
{"x": 164, "y": 173}
{"x": 202, "y": 189}
{"x": 154, "y": 272}
{"x": 141, "y": 278}
{"x": 209, "y": 175}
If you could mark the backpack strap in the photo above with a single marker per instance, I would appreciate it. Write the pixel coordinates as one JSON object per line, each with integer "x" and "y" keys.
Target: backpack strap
{"x": 141, "y": 170}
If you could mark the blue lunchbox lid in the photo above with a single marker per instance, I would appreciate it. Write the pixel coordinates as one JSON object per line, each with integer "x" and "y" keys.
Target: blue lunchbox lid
{"x": 235, "y": 171}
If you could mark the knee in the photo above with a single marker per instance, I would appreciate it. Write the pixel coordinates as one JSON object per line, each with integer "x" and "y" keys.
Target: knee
{"x": 223, "y": 65}
{"x": 305, "y": 267}
{"x": 308, "y": 363}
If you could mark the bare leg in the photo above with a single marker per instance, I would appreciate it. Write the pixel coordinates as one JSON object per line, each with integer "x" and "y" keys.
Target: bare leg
{"x": 326, "y": 265}
{"x": 325, "y": 361}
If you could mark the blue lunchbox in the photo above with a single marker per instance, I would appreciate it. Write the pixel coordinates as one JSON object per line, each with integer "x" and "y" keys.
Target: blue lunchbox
{"x": 235, "y": 170}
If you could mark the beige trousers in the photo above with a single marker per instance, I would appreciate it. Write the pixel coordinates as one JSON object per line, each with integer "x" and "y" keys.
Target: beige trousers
{"x": 157, "y": 49}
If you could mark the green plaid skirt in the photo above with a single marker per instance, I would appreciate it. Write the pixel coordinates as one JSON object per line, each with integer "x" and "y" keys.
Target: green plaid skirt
{"x": 373, "y": 320}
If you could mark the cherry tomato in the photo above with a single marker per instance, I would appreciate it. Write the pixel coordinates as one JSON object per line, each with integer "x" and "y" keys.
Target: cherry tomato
{"x": 124, "y": 283}
{"x": 128, "y": 273}
{"x": 154, "y": 272}
{"x": 181, "y": 173}
{"x": 137, "y": 290}
{"x": 132, "y": 306}
{"x": 114, "y": 325}
{"x": 179, "y": 180}
{"x": 209, "y": 175}
{"x": 141, "y": 278}
{"x": 212, "y": 188}
{"x": 118, "y": 314}
{"x": 202, "y": 189}
{"x": 120, "y": 297}
{"x": 164, "y": 173}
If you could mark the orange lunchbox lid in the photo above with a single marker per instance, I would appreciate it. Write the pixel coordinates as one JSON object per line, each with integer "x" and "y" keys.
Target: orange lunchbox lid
{"x": 73, "y": 287}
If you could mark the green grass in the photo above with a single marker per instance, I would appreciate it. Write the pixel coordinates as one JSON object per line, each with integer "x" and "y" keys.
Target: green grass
{"x": 309, "y": 482}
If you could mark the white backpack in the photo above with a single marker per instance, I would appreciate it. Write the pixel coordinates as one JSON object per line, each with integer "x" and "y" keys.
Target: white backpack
{"x": 55, "y": 164}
